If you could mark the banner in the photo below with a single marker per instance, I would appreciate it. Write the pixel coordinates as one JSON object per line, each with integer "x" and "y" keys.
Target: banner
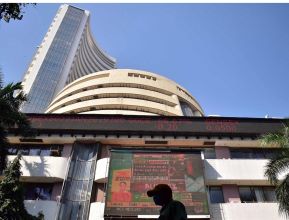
{"x": 131, "y": 175}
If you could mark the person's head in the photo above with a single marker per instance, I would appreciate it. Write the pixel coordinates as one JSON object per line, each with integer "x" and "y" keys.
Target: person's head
{"x": 122, "y": 186}
{"x": 189, "y": 168}
{"x": 161, "y": 193}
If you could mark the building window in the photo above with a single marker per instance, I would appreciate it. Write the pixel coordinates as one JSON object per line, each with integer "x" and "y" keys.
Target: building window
{"x": 255, "y": 153}
{"x": 37, "y": 191}
{"x": 45, "y": 152}
{"x": 12, "y": 151}
{"x": 23, "y": 151}
{"x": 269, "y": 194}
{"x": 247, "y": 194}
{"x": 209, "y": 153}
{"x": 186, "y": 109}
{"x": 265, "y": 194}
{"x": 216, "y": 194}
{"x": 36, "y": 150}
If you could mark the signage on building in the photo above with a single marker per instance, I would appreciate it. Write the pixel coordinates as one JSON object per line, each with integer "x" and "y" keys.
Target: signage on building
{"x": 132, "y": 174}
{"x": 143, "y": 124}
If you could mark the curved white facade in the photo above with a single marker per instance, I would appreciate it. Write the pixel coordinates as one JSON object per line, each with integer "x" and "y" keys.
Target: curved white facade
{"x": 89, "y": 57}
{"x": 125, "y": 91}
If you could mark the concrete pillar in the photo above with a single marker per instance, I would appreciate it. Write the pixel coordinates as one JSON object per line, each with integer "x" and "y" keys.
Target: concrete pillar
{"x": 66, "y": 150}
{"x": 231, "y": 193}
{"x": 104, "y": 151}
{"x": 100, "y": 192}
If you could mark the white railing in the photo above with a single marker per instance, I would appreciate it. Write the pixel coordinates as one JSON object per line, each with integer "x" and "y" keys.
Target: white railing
{"x": 235, "y": 171}
{"x": 96, "y": 211}
{"x": 48, "y": 208}
{"x": 245, "y": 211}
{"x": 43, "y": 167}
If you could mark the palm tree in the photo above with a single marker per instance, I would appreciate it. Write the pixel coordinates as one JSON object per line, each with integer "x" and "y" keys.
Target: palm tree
{"x": 12, "y": 194}
{"x": 10, "y": 116}
{"x": 279, "y": 165}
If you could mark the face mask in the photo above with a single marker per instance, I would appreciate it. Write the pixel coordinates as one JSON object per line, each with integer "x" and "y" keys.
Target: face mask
{"x": 157, "y": 199}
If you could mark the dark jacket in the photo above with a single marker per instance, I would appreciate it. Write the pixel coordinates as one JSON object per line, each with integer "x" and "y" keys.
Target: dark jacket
{"x": 174, "y": 210}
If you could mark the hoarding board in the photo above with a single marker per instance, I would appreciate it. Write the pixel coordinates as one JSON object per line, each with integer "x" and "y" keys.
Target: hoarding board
{"x": 173, "y": 125}
{"x": 132, "y": 174}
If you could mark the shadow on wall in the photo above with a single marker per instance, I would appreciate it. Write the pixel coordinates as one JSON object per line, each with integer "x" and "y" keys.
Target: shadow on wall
{"x": 210, "y": 172}
{"x": 36, "y": 168}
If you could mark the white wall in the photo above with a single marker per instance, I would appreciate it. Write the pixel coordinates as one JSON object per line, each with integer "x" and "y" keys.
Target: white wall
{"x": 96, "y": 211}
{"x": 245, "y": 211}
{"x": 237, "y": 171}
{"x": 44, "y": 166}
{"x": 101, "y": 171}
{"x": 48, "y": 208}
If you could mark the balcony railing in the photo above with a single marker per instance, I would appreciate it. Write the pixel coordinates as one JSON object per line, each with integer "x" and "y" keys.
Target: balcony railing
{"x": 48, "y": 208}
{"x": 43, "y": 168}
{"x": 244, "y": 211}
{"x": 235, "y": 171}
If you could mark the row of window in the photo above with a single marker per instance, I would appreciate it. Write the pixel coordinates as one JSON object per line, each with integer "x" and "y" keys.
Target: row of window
{"x": 209, "y": 153}
{"x": 248, "y": 153}
{"x": 247, "y": 194}
{"x": 37, "y": 150}
{"x": 253, "y": 153}
{"x": 142, "y": 76}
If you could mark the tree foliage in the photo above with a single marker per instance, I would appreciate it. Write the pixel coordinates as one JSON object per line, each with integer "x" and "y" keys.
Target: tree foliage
{"x": 10, "y": 116}
{"x": 12, "y": 11}
{"x": 11, "y": 192}
{"x": 279, "y": 166}
{"x": 12, "y": 196}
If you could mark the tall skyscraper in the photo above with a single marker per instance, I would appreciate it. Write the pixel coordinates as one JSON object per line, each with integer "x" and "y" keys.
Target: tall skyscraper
{"x": 67, "y": 52}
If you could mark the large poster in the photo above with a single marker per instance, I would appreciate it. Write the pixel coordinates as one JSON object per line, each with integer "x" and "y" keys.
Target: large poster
{"x": 131, "y": 175}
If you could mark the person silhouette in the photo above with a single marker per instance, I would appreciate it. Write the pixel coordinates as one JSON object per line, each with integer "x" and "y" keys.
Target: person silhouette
{"x": 171, "y": 209}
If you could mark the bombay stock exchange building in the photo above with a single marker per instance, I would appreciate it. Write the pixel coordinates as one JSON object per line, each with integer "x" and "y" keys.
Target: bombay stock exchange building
{"x": 67, "y": 52}
{"x": 109, "y": 135}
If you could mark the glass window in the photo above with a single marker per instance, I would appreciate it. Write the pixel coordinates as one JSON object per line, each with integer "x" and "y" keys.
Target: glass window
{"x": 258, "y": 154}
{"x": 269, "y": 194}
{"x": 247, "y": 194}
{"x": 24, "y": 151}
{"x": 43, "y": 193}
{"x": 55, "y": 151}
{"x": 34, "y": 152}
{"x": 209, "y": 153}
{"x": 270, "y": 153}
{"x": 12, "y": 151}
{"x": 38, "y": 191}
{"x": 236, "y": 154}
{"x": 45, "y": 151}
{"x": 186, "y": 109}
{"x": 216, "y": 194}
{"x": 259, "y": 194}
{"x": 253, "y": 153}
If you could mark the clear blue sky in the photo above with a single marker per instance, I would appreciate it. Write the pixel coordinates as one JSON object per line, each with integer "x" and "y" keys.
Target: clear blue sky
{"x": 233, "y": 58}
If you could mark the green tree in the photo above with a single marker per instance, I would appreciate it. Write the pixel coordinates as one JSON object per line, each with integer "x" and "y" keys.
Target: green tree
{"x": 12, "y": 10}
{"x": 12, "y": 196}
{"x": 279, "y": 165}
{"x": 10, "y": 116}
